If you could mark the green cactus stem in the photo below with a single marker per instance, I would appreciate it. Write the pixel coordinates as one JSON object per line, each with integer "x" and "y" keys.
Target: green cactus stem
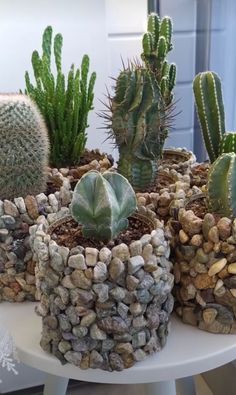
{"x": 102, "y": 203}
{"x": 63, "y": 101}
{"x": 210, "y": 109}
{"x": 137, "y": 123}
{"x": 228, "y": 142}
{"x": 24, "y": 147}
{"x": 156, "y": 46}
{"x": 221, "y": 186}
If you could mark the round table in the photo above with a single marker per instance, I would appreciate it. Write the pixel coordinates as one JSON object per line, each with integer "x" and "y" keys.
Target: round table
{"x": 188, "y": 351}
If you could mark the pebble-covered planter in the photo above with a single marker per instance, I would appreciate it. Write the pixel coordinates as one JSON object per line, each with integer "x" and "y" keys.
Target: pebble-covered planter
{"x": 106, "y": 308}
{"x": 204, "y": 256}
{"x": 179, "y": 160}
{"x": 17, "y": 277}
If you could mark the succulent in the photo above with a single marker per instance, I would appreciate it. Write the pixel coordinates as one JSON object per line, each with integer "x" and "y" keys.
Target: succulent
{"x": 210, "y": 109}
{"x": 137, "y": 122}
{"x": 156, "y": 46}
{"x": 102, "y": 204}
{"x": 64, "y": 102}
{"x": 228, "y": 142}
{"x": 23, "y": 147}
{"x": 221, "y": 186}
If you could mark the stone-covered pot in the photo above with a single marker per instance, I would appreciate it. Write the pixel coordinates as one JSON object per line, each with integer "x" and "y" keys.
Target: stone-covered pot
{"x": 204, "y": 256}
{"x": 17, "y": 277}
{"x": 104, "y": 308}
{"x": 177, "y": 160}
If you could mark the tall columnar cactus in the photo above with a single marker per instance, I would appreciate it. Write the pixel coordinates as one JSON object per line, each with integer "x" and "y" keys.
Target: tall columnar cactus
{"x": 23, "y": 147}
{"x": 138, "y": 124}
{"x": 210, "y": 109}
{"x": 102, "y": 204}
{"x": 221, "y": 186}
{"x": 156, "y": 46}
{"x": 64, "y": 102}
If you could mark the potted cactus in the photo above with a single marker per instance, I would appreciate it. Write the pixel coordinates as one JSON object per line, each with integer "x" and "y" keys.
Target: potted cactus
{"x": 24, "y": 152}
{"x": 204, "y": 246}
{"x": 103, "y": 277}
{"x": 65, "y": 103}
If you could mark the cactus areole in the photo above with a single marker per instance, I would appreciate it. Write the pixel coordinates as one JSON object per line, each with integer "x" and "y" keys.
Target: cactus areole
{"x": 102, "y": 203}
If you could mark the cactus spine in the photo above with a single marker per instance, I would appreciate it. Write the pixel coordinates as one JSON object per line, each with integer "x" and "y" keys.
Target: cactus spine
{"x": 137, "y": 124}
{"x": 64, "y": 102}
{"x": 210, "y": 109}
{"x": 102, "y": 204}
{"x": 23, "y": 149}
{"x": 156, "y": 46}
{"x": 221, "y": 186}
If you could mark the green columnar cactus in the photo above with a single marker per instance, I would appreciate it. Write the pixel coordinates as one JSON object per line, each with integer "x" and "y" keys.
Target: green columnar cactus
{"x": 23, "y": 147}
{"x": 102, "y": 203}
{"x": 221, "y": 186}
{"x": 228, "y": 142}
{"x": 156, "y": 46}
{"x": 64, "y": 102}
{"x": 137, "y": 124}
{"x": 210, "y": 109}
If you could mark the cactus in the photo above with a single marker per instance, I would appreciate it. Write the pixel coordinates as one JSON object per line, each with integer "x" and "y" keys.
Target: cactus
{"x": 64, "y": 103}
{"x": 228, "y": 142}
{"x": 221, "y": 186}
{"x": 23, "y": 147}
{"x": 137, "y": 123}
{"x": 210, "y": 109}
{"x": 156, "y": 45}
{"x": 102, "y": 203}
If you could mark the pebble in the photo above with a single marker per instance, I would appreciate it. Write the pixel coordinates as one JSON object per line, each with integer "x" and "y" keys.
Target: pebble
{"x": 79, "y": 279}
{"x": 97, "y": 333}
{"x": 100, "y": 272}
{"x": 77, "y": 262}
{"x": 91, "y": 255}
{"x": 102, "y": 291}
{"x": 121, "y": 251}
{"x": 96, "y": 360}
{"x": 73, "y": 357}
{"x": 217, "y": 267}
{"x": 116, "y": 268}
{"x": 135, "y": 263}
{"x": 232, "y": 268}
{"x": 105, "y": 255}
{"x": 10, "y": 208}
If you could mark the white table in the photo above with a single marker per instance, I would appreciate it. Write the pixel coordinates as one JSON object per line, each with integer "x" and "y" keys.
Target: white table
{"x": 189, "y": 351}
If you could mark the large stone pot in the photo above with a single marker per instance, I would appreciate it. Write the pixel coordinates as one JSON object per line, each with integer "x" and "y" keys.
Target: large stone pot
{"x": 17, "y": 277}
{"x": 105, "y": 307}
{"x": 204, "y": 256}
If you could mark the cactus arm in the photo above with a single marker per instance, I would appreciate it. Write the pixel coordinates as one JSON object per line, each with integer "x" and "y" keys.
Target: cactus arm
{"x": 228, "y": 142}
{"x": 154, "y": 28}
{"x": 221, "y": 186}
{"x": 58, "y": 42}
{"x": 166, "y": 31}
{"x": 46, "y": 44}
{"x": 210, "y": 109}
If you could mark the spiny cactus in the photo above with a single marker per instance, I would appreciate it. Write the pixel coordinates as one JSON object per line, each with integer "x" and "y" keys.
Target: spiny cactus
{"x": 23, "y": 147}
{"x": 64, "y": 102}
{"x": 210, "y": 109}
{"x": 221, "y": 186}
{"x": 102, "y": 204}
{"x": 137, "y": 123}
{"x": 156, "y": 46}
{"x": 228, "y": 142}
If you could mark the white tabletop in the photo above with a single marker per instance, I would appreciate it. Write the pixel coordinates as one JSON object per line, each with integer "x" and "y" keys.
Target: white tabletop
{"x": 188, "y": 351}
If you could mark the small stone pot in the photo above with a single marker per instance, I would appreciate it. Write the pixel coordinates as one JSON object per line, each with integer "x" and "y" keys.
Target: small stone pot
{"x": 177, "y": 160}
{"x": 104, "y": 308}
{"x": 17, "y": 269}
{"x": 204, "y": 256}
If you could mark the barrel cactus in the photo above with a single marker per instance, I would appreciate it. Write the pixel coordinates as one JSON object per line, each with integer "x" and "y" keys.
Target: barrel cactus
{"x": 23, "y": 147}
{"x": 221, "y": 186}
{"x": 102, "y": 204}
{"x": 64, "y": 102}
{"x": 156, "y": 46}
{"x": 137, "y": 123}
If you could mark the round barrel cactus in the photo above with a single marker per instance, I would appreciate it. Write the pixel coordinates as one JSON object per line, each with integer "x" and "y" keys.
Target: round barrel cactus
{"x": 23, "y": 147}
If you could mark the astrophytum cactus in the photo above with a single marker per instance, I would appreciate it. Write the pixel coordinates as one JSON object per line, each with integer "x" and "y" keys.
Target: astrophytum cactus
{"x": 102, "y": 203}
{"x": 221, "y": 186}
{"x": 23, "y": 147}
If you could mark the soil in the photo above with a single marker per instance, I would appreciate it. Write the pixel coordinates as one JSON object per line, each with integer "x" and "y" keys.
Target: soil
{"x": 161, "y": 181}
{"x": 69, "y": 235}
{"x": 198, "y": 206}
{"x": 199, "y": 174}
{"x": 90, "y": 155}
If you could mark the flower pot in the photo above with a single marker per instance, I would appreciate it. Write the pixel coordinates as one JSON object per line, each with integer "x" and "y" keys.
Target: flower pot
{"x": 103, "y": 306}
{"x": 204, "y": 252}
{"x": 177, "y": 160}
{"x": 17, "y": 277}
